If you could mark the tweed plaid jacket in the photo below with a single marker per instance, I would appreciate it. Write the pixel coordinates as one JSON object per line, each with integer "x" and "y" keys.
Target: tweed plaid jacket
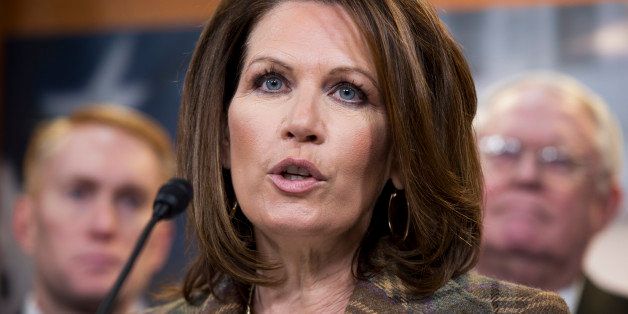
{"x": 469, "y": 293}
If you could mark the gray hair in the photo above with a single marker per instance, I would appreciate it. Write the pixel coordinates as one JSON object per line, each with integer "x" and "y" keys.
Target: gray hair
{"x": 609, "y": 135}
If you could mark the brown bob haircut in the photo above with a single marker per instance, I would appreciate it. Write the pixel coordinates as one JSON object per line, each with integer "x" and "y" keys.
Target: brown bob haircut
{"x": 430, "y": 100}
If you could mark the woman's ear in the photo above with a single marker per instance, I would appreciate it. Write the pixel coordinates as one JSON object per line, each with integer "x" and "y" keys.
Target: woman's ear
{"x": 395, "y": 175}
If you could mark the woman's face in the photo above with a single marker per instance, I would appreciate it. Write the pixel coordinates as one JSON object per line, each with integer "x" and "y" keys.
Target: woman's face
{"x": 308, "y": 136}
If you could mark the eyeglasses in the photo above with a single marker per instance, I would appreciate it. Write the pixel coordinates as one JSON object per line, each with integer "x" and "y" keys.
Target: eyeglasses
{"x": 504, "y": 153}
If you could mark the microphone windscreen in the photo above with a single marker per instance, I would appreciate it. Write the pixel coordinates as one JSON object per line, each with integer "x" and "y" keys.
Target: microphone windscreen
{"x": 172, "y": 199}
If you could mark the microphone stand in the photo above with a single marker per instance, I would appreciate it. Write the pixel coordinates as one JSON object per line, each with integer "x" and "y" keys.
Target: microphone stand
{"x": 106, "y": 306}
{"x": 172, "y": 199}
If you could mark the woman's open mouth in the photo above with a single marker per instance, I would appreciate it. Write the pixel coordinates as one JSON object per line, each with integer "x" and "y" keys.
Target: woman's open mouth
{"x": 295, "y": 176}
{"x": 295, "y": 173}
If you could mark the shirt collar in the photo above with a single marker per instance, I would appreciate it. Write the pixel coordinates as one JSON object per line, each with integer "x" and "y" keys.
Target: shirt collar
{"x": 571, "y": 294}
{"x": 31, "y": 306}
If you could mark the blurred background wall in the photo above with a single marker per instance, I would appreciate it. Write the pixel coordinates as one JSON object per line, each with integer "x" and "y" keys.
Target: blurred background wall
{"x": 56, "y": 55}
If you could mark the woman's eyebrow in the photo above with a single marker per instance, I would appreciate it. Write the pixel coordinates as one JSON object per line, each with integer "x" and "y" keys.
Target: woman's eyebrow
{"x": 266, "y": 59}
{"x": 342, "y": 70}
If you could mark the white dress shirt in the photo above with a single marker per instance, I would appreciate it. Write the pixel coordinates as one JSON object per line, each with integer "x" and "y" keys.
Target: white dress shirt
{"x": 571, "y": 294}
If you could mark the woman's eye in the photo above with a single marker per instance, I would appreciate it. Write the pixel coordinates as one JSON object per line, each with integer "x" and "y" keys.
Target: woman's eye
{"x": 349, "y": 93}
{"x": 270, "y": 82}
{"x": 273, "y": 83}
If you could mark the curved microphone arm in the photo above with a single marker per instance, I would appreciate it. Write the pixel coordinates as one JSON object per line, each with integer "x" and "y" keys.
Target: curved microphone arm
{"x": 172, "y": 199}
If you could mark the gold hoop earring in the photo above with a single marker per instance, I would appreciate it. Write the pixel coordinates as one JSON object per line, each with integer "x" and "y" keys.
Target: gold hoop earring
{"x": 233, "y": 210}
{"x": 393, "y": 195}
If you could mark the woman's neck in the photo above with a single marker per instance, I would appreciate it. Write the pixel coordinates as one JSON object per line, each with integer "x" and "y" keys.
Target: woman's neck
{"x": 317, "y": 275}
{"x": 328, "y": 295}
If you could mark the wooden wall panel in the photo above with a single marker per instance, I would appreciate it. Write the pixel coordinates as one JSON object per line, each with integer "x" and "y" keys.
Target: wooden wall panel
{"x": 41, "y": 17}
{"x": 25, "y": 17}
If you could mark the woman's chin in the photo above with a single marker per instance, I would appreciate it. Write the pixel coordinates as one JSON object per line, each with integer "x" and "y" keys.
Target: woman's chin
{"x": 305, "y": 232}
{"x": 307, "y": 221}
{"x": 294, "y": 227}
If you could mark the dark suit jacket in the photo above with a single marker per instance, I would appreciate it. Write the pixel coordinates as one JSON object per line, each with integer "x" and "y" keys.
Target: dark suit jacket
{"x": 596, "y": 300}
{"x": 384, "y": 293}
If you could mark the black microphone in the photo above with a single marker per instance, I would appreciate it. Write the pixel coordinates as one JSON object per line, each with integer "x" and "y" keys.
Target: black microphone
{"x": 172, "y": 199}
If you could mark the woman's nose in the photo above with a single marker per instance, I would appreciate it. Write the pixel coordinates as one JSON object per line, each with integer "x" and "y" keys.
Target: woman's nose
{"x": 304, "y": 122}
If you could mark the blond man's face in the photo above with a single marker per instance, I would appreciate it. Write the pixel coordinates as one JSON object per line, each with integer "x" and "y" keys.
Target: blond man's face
{"x": 93, "y": 199}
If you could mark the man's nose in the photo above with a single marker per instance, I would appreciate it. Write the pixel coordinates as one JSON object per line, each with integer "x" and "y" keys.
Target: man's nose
{"x": 528, "y": 170}
{"x": 303, "y": 122}
{"x": 103, "y": 219}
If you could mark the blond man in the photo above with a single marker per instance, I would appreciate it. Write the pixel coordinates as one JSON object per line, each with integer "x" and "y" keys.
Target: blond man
{"x": 89, "y": 182}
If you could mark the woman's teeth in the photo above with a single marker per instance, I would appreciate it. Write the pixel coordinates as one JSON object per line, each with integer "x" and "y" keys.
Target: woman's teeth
{"x": 296, "y": 173}
{"x": 293, "y": 177}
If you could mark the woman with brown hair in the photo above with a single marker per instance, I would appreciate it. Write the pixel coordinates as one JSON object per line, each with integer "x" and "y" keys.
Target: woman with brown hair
{"x": 330, "y": 147}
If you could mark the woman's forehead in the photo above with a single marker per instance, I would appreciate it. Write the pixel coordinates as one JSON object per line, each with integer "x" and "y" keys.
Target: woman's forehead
{"x": 310, "y": 32}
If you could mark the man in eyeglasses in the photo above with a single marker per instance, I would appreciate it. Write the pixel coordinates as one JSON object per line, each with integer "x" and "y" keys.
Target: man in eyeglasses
{"x": 551, "y": 155}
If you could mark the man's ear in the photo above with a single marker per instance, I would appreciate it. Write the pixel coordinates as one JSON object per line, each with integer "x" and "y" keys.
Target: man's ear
{"x": 610, "y": 203}
{"x": 23, "y": 223}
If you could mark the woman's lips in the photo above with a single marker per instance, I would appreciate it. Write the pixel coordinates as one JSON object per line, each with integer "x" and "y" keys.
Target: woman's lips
{"x": 294, "y": 186}
{"x": 296, "y": 176}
